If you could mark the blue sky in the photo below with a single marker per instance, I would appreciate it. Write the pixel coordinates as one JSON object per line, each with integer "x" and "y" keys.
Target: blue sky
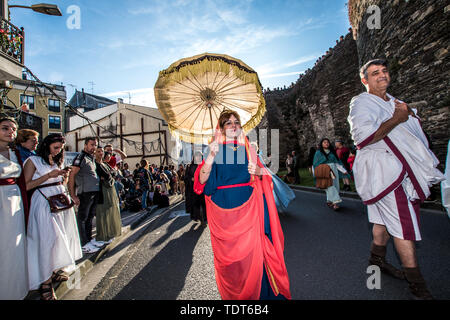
{"x": 121, "y": 45}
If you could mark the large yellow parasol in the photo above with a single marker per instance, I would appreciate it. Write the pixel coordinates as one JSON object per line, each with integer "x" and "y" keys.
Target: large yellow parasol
{"x": 192, "y": 93}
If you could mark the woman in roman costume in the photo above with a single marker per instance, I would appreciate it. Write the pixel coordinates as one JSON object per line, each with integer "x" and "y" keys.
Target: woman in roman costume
{"x": 246, "y": 234}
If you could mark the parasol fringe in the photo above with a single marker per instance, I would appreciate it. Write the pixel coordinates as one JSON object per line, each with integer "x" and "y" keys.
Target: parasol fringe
{"x": 199, "y": 65}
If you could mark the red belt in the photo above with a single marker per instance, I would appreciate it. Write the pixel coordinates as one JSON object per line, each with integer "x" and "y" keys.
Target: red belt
{"x": 235, "y": 185}
{"x": 8, "y": 182}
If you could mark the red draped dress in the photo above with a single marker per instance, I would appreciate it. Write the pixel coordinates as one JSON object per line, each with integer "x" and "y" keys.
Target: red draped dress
{"x": 246, "y": 235}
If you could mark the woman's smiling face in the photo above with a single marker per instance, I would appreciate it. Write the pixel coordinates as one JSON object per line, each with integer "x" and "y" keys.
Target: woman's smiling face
{"x": 232, "y": 127}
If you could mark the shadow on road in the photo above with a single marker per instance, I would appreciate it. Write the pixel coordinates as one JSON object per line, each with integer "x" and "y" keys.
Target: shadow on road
{"x": 164, "y": 276}
{"x": 326, "y": 252}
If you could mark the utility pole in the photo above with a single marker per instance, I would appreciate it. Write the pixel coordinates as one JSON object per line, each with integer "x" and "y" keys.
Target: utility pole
{"x": 92, "y": 86}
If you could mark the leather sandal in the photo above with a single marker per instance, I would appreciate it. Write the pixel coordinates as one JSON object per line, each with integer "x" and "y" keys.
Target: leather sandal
{"x": 59, "y": 276}
{"x": 46, "y": 291}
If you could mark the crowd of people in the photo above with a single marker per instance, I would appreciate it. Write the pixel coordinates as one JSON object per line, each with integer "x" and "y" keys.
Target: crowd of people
{"x": 340, "y": 161}
{"x": 41, "y": 234}
{"x": 41, "y": 237}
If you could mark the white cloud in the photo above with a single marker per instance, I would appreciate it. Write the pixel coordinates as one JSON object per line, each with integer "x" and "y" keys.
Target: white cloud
{"x": 237, "y": 42}
{"x": 302, "y": 60}
{"x": 277, "y": 75}
{"x": 269, "y": 70}
{"x": 141, "y": 97}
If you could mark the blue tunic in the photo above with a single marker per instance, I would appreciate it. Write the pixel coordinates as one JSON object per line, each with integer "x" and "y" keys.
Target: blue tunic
{"x": 231, "y": 167}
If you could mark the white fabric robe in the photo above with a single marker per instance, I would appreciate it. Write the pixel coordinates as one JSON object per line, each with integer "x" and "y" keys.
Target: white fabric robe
{"x": 382, "y": 166}
{"x": 53, "y": 241}
{"x": 13, "y": 254}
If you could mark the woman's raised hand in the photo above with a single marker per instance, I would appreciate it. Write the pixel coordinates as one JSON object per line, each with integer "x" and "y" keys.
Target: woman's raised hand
{"x": 213, "y": 148}
{"x": 254, "y": 169}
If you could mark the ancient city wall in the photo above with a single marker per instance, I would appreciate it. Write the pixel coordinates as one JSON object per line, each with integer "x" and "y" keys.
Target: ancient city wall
{"x": 413, "y": 36}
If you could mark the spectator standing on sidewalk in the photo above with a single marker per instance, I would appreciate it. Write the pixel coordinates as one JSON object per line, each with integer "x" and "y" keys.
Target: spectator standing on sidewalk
{"x": 13, "y": 261}
{"x": 145, "y": 181}
{"x": 189, "y": 187}
{"x": 84, "y": 186}
{"x": 109, "y": 224}
{"x": 26, "y": 142}
{"x": 296, "y": 167}
{"x": 289, "y": 178}
{"x": 196, "y": 201}
{"x": 117, "y": 156}
{"x": 343, "y": 153}
{"x": 181, "y": 173}
{"x": 53, "y": 243}
{"x": 175, "y": 180}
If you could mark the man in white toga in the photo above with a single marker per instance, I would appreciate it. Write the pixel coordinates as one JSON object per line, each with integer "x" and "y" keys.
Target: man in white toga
{"x": 394, "y": 169}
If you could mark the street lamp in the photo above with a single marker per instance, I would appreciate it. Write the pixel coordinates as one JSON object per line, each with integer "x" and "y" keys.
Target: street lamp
{"x": 50, "y": 9}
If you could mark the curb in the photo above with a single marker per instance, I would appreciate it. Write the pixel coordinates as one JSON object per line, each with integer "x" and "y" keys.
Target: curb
{"x": 88, "y": 261}
{"x": 348, "y": 194}
{"x": 85, "y": 266}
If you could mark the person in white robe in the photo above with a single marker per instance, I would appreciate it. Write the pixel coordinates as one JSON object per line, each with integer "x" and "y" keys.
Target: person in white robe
{"x": 13, "y": 258}
{"x": 53, "y": 242}
{"x": 393, "y": 170}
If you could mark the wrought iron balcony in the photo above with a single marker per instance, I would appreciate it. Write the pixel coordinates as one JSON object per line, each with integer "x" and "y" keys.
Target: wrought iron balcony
{"x": 12, "y": 41}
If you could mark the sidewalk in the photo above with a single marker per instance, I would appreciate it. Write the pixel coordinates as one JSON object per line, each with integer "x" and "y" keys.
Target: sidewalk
{"x": 433, "y": 205}
{"x": 130, "y": 225}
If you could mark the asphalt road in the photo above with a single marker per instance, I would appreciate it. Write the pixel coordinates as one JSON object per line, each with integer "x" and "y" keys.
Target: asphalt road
{"x": 326, "y": 255}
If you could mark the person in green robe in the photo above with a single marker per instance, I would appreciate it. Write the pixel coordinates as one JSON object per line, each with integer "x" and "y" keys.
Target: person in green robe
{"x": 108, "y": 221}
{"x": 326, "y": 155}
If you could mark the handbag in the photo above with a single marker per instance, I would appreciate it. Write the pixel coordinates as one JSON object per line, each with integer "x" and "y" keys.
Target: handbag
{"x": 324, "y": 176}
{"x": 58, "y": 202}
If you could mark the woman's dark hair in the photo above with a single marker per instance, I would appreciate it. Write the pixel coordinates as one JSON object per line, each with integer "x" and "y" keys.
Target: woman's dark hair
{"x": 44, "y": 149}
{"x": 330, "y": 148}
{"x": 6, "y": 118}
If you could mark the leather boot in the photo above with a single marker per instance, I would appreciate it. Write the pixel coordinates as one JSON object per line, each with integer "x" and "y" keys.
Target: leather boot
{"x": 378, "y": 258}
{"x": 417, "y": 284}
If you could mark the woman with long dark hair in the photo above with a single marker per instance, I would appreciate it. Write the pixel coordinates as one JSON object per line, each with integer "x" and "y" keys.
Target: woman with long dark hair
{"x": 13, "y": 199}
{"x": 197, "y": 206}
{"x": 327, "y": 155}
{"x": 53, "y": 242}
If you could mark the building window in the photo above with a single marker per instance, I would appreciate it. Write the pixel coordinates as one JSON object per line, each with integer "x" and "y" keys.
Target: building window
{"x": 29, "y": 100}
{"x": 54, "y": 105}
{"x": 54, "y": 122}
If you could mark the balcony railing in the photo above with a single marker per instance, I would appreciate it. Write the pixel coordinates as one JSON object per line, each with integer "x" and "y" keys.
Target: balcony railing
{"x": 12, "y": 41}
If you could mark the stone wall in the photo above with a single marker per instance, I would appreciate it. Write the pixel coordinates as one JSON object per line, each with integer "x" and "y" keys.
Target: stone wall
{"x": 413, "y": 37}
{"x": 317, "y": 106}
